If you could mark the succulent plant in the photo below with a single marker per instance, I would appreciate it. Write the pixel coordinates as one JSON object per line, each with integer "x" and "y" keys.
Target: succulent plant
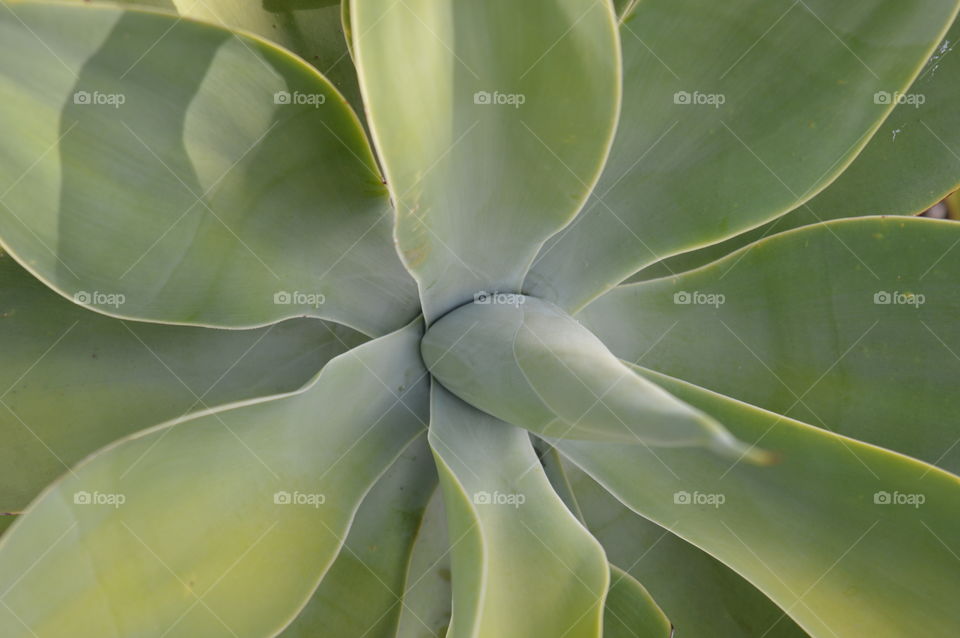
{"x": 550, "y": 319}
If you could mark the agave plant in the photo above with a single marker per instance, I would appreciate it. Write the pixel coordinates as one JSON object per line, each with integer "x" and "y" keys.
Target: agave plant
{"x": 540, "y": 318}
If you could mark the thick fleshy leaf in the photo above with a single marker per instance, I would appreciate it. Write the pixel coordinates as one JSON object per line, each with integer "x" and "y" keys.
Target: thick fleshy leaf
{"x": 493, "y": 120}
{"x": 849, "y": 326}
{"x": 174, "y": 530}
{"x": 630, "y": 611}
{"x": 700, "y": 595}
{"x": 165, "y": 169}
{"x": 73, "y": 380}
{"x": 914, "y": 159}
{"x": 557, "y": 473}
{"x": 362, "y": 594}
{"x": 912, "y": 163}
{"x": 522, "y": 563}
{"x": 530, "y": 364}
{"x": 313, "y": 30}
{"x": 427, "y": 605}
{"x": 734, "y": 113}
{"x": 849, "y": 539}
{"x": 427, "y": 595}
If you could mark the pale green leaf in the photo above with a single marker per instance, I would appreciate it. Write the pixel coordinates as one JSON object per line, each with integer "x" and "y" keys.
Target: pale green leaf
{"x": 700, "y": 595}
{"x": 850, "y": 326}
{"x": 363, "y": 593}
{"x": 164, "y": 169}
{"x": 545, "y": 372}
{"x": 522, "y": 564}
{"x": 912, "y": 163}
{"x": 849, "y": 539}
{"x": 427, "y": 596}
{"x": 493, "y": 120}
{"x": 310, "y": 28}
{"x": 734, "y": 113}
{"x": 73, "y": 380}
{"x": 176, "y": 531}
{"x": 630, "y": 611}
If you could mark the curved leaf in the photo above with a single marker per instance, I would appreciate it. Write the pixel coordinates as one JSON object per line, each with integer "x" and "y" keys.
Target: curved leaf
{"x": 73, "y": 380}
{"x": 169, "y": 170}
{"x": 427, "y": 596}
{"x": 630, "y": 611}
{"x": 734, "y": 113}
{"x": 174, "y": 530}
{"x": 912, "y": 163}
{"x": 363, "y": 593}
{"x": 310, "y": 28}
{"x": 700, "y": 595}
{"x": 539, "y": 369}
{"x": 522, "y": 564}
{"x": 850, "y": 325}
{"x": 849, "y": 539}
{"x": 493, "y": 120}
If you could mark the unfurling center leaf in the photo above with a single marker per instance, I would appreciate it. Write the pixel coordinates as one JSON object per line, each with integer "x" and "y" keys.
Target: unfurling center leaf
{"x": 527, "y": 362}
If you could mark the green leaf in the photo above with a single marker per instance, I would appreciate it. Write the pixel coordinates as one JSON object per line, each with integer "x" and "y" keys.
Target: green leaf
{"x": 914, "y": 159}
{"x": 734, "y": 113}
{"x": 843, "y": 549}
{"x": 909, "y": 165}
{"x": 700, "y": 595}
{"x": 153, "y": 171}
{"x": 493, "y": 120}
{"x": 850, "y": 326}
{"x": 362, "y": 594}
{"x": 427, "y": 595}
{"x": 522, "y": 564}
{"x": 310, "y": 28}
{"x": 539, "y": 369}
{"x": 73, "y": 380}
{"x": 176, "y": 530}
{"x": 630, "y": 611}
